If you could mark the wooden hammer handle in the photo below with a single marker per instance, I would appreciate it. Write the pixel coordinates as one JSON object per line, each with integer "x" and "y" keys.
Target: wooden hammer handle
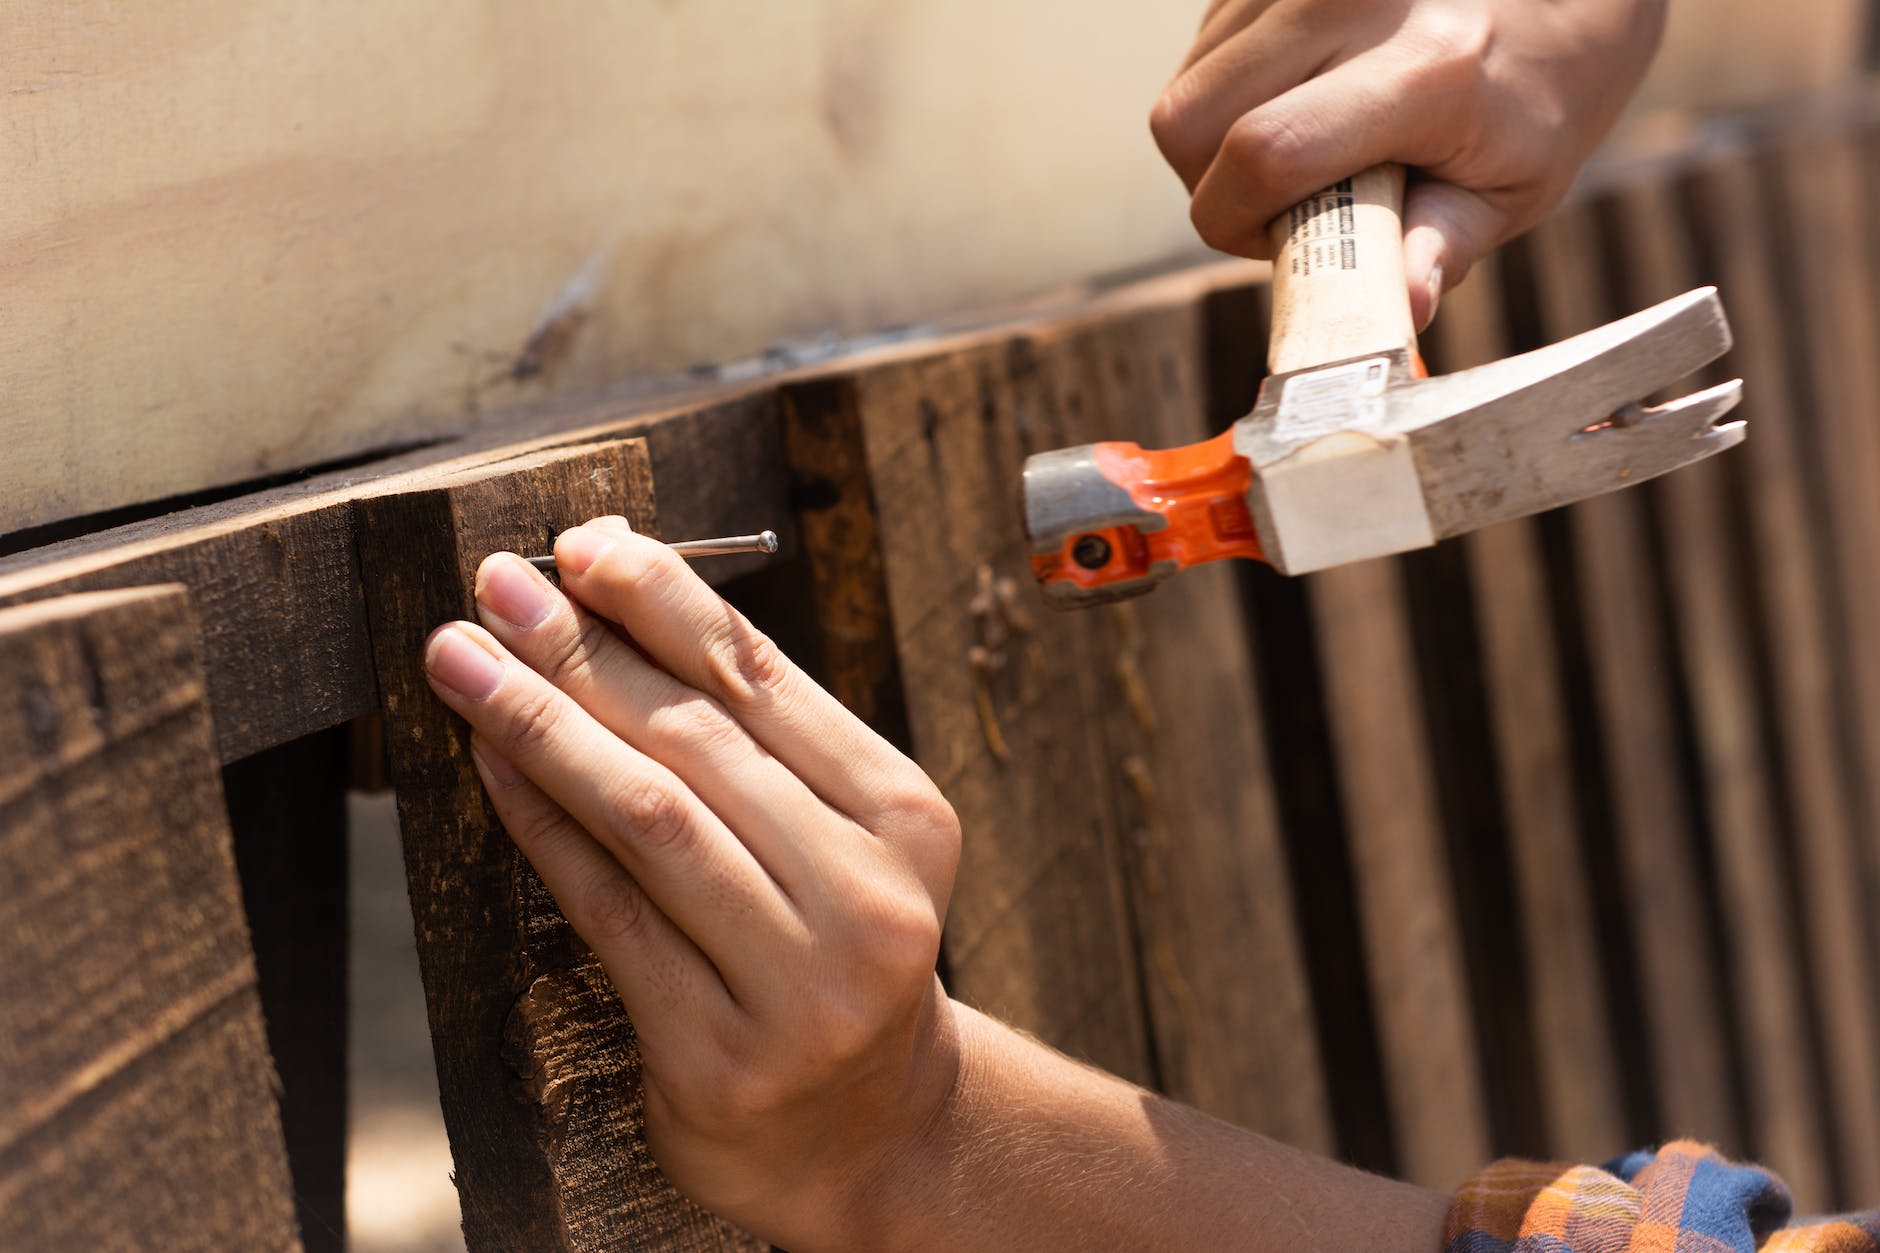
{"x": 1338, "y": 277}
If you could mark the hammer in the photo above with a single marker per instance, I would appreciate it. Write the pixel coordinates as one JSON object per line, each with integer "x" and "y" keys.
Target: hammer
{"x": 1352, "y": 451}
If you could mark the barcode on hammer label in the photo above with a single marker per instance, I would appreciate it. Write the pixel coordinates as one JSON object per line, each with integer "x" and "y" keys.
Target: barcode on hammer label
{"x": 1339, "y": 398}
{"x": 1325, "y": 231}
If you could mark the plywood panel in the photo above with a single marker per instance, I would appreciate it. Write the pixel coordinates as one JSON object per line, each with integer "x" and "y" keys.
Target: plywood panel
{"x": 259, "y": 234}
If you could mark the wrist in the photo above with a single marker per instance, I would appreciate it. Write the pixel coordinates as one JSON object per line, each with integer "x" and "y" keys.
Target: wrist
{"x": 884, "y": 1181}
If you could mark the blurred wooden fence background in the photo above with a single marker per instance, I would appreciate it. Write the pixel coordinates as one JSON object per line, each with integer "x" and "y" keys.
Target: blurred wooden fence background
{"x": 1558, "y": 839}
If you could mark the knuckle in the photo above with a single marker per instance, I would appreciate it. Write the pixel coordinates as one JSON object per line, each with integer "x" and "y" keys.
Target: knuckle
{"x": 533, "y": 720}
{"x": 1448, "y": 47}
{"x": 1265, "y": 145}
{"x": 570, "y": 657}
{"x": 904, "y": 933}
{"x": 699, "y": 723}
{"x": 536, "y": 829}
{"x": 1173, "y": 125}
{"x": 649, "y": 812}
{"x": 845, "y": 1028}
{"x": 610, "y": 907}
{"x": 745, "y": 664}
{"x": 919, "y": 812}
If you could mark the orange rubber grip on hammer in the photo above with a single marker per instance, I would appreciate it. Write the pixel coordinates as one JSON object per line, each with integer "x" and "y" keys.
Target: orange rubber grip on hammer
{"x": 1201, "y": 489}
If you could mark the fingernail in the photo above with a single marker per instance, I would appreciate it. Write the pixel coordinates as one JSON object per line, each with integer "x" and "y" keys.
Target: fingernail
{"x": 579, "y": 548}
{"x": 1436, "y": 287}
{"x": 612, "y": 522}
{"x": 498, "y": 770}
{"x": 510, "y": 588}
{"x": 456, "y": 659}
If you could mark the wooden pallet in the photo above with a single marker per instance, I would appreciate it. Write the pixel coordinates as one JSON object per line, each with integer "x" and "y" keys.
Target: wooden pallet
{"x": 1553, "y": 840}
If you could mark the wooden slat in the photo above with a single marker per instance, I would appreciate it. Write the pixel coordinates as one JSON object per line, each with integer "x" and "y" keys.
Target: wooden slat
{"x": 1037, "y": 931}
{"x": 1836, "y": 313}
{"x": 537, "y": 1064}
{"x": 1106, "y": 766}
{"x": 1817, "y": 215}
{"x": 1219, "y": 946}
{"x": 136, "y": 1093}
{"x": 276, "y": 576}
{"x": 1714, "y": 647}
{"x": 1407, "y": 910}
{"x": 1641, "y": 755}
{"x": 1563, "y": 984}
{"x": 1283, "y": 650}
{"x": 287, "y": 817}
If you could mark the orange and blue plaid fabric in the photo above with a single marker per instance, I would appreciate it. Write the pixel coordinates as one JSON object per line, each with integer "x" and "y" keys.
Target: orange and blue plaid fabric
{"x": 1684, "y": 1198}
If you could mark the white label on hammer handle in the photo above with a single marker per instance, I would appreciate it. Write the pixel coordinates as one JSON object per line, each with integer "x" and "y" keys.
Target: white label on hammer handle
{"x": 1343, "y": 397}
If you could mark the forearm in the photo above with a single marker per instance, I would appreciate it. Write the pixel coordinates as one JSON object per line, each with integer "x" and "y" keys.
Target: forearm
{"x": 1037, "y": 1152}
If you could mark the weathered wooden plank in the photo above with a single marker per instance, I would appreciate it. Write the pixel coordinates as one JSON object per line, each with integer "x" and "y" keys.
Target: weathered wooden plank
{"x": 1640, "y": 751}
{"x": 1038, "y": 930}
{"x": 1400, "y": 865}
{"x": 276, "y": 575}
{"x": 1219, "y": 948}
{"x": 1106, "y": 766}
{"x": 1820, "y": 195}
{"x": 1564, "y": 989}
{"x": 1651, "y": 251}
{"x": 1823, "y": 294}
{"x": 537, "y": 1064}
{"x": 136, "y": 1094}
{"x": 1284, "y": 651}
{"x": 278, "y": 591}
{"x": 287, "y": 819}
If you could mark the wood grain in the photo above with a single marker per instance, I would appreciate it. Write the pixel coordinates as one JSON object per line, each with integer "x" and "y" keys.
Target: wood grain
{"x": 276, "y": 575}
{"x": 537, "y": 1064}
{"x": 1830, "y": 308}
{"x": 137, "y": 1090}
{"x": 1642, "y": 756}
{"x": 1122, "y": 893}
{"x": 1219, "y": 948}
{"x": 1407, "y": 910}
{"x": 286, "y": 232}
{"x": 1653, "y": 254}
{"x": 1563, "y": 986}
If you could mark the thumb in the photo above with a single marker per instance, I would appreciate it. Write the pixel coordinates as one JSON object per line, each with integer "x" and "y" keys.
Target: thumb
{"x": 1446, "y": 228}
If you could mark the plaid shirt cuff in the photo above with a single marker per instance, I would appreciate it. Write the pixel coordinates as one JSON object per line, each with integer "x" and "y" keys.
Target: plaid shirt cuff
{"x": 1684, "y": 1197}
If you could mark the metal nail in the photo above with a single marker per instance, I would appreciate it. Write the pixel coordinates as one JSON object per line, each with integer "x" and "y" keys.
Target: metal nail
{"x": 763, "y": 542}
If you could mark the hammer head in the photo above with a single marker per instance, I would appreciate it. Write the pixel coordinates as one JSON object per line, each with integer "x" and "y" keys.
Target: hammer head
{"x": 1362, "y": 458}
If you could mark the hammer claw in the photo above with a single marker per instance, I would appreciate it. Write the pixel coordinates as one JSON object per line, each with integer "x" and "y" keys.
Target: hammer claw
{"x": 1694, "y": 416}
{"x": 1491, "y": 444}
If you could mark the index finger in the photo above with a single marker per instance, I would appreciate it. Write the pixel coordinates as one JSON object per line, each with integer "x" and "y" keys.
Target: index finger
{"x": 1367, "y": 110}
{"x": 689, "y": 630}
